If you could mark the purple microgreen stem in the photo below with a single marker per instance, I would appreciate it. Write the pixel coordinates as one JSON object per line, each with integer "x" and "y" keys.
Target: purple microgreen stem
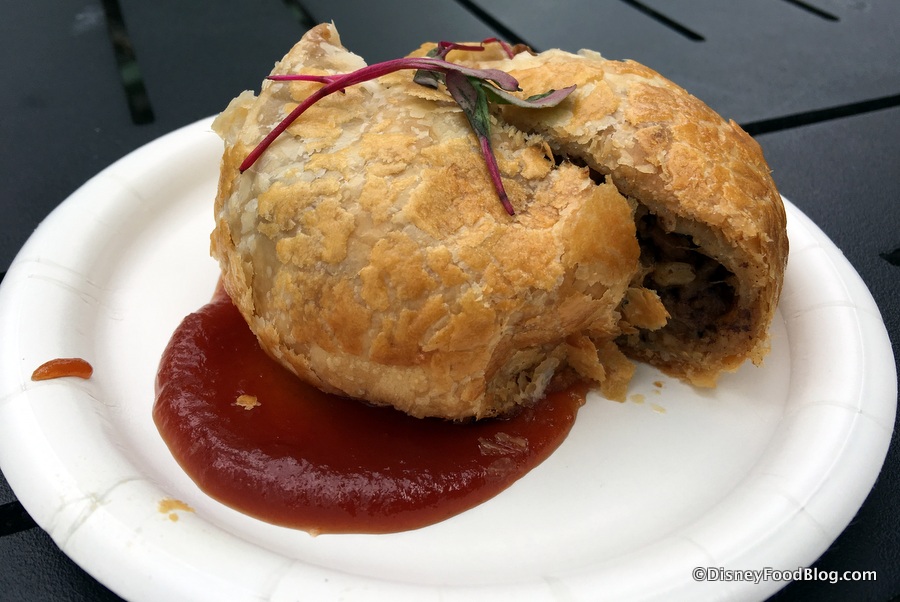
{"x": 503, "y": 79}
{"x": 471, "y": 98}
{"x": 494, "y": 171}
{"x": 443, "y": 48}
{"x": 506, "y": 47}
{"x": 472, "y": 89}
{"x": 320, "y": 79}
{"x": 339, "y": 82}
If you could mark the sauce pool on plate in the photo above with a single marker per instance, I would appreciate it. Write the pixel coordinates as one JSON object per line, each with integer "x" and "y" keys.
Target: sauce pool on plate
{"x": 256, "y": 438}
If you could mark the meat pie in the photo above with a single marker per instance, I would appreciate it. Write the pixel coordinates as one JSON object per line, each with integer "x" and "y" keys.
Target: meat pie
{"x": 368, "y": 253}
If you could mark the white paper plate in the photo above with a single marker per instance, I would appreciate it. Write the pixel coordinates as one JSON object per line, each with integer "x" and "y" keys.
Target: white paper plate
{"x": 764, "y": 471}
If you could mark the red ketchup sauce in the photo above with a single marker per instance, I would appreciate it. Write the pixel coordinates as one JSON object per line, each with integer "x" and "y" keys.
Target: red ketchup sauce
{"x": 256, "y": 438}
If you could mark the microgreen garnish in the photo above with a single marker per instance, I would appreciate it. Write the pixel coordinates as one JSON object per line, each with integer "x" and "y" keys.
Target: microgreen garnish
{"x": 472, "y": 89}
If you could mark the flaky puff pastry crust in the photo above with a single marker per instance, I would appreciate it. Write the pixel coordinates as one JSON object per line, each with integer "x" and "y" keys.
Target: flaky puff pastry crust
{"x": 698, "y": 175}
{"x": 368, "y": 251}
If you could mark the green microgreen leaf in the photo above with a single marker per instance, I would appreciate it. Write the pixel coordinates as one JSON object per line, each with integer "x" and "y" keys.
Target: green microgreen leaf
{"x": 550, "y": 98}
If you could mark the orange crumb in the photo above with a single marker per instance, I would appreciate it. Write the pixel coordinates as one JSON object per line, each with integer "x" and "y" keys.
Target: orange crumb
{"x": 169, "y": 506}
{"x": 62, "y": 367}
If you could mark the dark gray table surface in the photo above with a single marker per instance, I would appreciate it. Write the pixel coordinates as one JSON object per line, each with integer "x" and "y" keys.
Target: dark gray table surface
{"x": 816, "y": 81}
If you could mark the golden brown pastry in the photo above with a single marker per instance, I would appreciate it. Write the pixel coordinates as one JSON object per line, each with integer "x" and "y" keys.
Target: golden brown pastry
{"x": 368, "y": 252}
{"x": 710, "y": 221}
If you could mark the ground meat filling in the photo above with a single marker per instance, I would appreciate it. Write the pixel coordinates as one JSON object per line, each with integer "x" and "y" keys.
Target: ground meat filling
{"x": 697, "y": 290}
